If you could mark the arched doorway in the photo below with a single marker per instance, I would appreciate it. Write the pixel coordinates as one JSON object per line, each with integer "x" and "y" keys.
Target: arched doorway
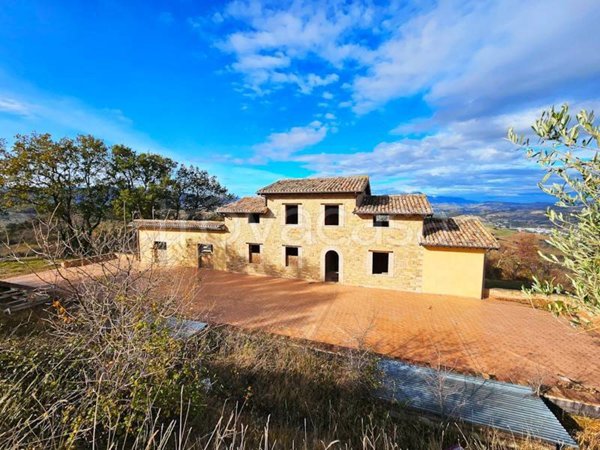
{"x": 332, "y": 266}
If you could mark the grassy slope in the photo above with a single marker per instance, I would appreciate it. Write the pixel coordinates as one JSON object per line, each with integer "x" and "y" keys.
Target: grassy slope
{"x": 14, "y": 268}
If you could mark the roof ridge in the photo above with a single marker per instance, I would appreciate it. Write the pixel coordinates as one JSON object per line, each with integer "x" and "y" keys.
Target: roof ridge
{"x": 318, "y": 185}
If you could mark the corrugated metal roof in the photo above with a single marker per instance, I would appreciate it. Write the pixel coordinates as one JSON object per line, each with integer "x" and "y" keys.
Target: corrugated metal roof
{"x": 508, "y": 407}
{"x": 184, "y": 328}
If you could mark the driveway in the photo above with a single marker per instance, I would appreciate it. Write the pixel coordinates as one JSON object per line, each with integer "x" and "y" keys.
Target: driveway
{"x": 509, "y": 341}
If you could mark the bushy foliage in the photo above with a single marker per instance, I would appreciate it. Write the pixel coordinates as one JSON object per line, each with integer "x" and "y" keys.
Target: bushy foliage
{"x": 81, "y": 182}
{"x": 519, "y": 259}
{"x": 99, "y": 368}
{"x": 568, "y": 153}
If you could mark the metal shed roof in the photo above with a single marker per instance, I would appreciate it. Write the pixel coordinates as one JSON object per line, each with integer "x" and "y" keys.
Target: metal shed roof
{"x": 508, "y": 407}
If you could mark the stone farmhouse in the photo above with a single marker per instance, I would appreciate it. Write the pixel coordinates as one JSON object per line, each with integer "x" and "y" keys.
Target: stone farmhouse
{"x": 330, "y": 229}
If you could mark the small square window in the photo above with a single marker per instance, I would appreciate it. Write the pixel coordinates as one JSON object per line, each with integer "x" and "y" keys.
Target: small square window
{"x": 291, "y": 256}
{"x": 254, "y": 253}
{"x": 381, "y": 263}
{"x": 253, "y": 218}
{"x": 332, "y": 215}
{"x": 206, "y": 248}
{"x": 381, "y": 220}
{"x": 159, "y": 245}
{"x": 291, "y": 214}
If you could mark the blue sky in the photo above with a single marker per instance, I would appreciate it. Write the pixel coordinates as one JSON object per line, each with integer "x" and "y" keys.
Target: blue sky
{"x": 416, "y": 94}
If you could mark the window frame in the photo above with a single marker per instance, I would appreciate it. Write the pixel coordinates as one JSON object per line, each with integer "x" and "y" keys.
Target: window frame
{"x": 206, "y": 249}
{"x": 250, "y": 253}
{"x": 285, "y": 213}
{"x": 158, "y": 245}
{"x": 286, "y": 256}
{"x": 390, "y": 263}
{"x": 339, "y": 214}
{"x": 381, "y": 223}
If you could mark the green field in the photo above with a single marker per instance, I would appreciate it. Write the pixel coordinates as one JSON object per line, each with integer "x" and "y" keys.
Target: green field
{"x": 501, "y": 232}
{"x": 29, "y": 265}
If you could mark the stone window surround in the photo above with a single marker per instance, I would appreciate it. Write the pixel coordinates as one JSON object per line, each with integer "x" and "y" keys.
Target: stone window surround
{"x": 284, "y": 246}
{"x": 390, "y": 272}
{"x": 341, "y": 214}
{"x": 381, "y": 226}
{"x": 284, "y": 214}
{"x": 250, "y": 245}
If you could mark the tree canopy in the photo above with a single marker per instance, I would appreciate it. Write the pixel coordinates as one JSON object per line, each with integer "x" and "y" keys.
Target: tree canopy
{"x": 567, "y": 150}
{"x": 83, "y": 182}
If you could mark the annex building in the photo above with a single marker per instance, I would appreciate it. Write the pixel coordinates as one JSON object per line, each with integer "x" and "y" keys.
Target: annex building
{"x": 330, "y": 229}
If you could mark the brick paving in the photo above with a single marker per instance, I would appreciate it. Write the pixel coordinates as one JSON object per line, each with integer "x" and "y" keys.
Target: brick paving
{"x": 509, "y": 341}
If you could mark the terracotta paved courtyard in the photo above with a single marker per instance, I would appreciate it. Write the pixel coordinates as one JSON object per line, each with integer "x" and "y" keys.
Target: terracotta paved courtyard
{"x": 510, "y": 341}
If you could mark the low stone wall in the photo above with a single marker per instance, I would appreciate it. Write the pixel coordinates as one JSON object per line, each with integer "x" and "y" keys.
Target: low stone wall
{"x": 514, "y": 295}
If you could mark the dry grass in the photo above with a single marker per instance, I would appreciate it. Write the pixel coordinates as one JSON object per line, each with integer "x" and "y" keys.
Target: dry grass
{"x": 102, "y": 370}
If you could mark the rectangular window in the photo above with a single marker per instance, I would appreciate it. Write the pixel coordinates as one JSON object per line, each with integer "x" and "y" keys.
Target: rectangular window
{"x": 292, "y": 255}
{"x": 254, "y": 253}
{"x": 253, "y": 218}
{"x": 381, "y": 220}
{"x": 381, "y": 262}
{"x": 159, "y": 245}
{"x": 206, "y": 248}
{"x": 332, "y": 215}
{"x": 291, "y": 214}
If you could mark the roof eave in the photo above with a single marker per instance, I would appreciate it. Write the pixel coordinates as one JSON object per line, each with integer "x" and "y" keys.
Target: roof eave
{"x": 356, "y": 192}
{"x": 264, "y": 211}
{"x": 392, "y": 213}
{"x": 472, "y": 247}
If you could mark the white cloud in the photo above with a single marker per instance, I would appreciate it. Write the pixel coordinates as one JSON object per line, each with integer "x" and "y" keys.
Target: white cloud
{"x": 327, "y": 95}
{"x": 253, "y": 63}
{"x": 464, "y": 157}
{"x": 470, "y": 58}
{"x": 282, "y": 146}
{"x": 298, "y": 32}
{"x": 12, "y": 106}
{"x": 24, "y": 109}
{"x": 464, "y": 57}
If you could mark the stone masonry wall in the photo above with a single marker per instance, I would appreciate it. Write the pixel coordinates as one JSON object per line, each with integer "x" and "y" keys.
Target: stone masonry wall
{"x": 354, "y": 240}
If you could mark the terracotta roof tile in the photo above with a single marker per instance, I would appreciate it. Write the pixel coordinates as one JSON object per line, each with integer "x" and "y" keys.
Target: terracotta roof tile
{"x": 209, "y": 225}
{"x": 407, "y": 204}
{"x": 464, "y": 232}
{"x": 245, "y": 205}
{"x": 331, "y": 185}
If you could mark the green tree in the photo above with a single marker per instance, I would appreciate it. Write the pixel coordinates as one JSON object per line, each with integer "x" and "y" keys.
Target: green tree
{"x": 567, "y": 150}
{"x": 142, "y": 181}
{"x": 67, "y": 178}
{"x": 194, "y": 190}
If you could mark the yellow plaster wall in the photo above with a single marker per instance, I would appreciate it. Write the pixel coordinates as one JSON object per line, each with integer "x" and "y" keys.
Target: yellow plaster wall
{"x": 453, "y": 271}
{"x": 182, "y": 246}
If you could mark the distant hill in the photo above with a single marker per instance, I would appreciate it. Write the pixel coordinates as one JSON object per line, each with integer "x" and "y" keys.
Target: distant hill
{"x": 501, "y": 214}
